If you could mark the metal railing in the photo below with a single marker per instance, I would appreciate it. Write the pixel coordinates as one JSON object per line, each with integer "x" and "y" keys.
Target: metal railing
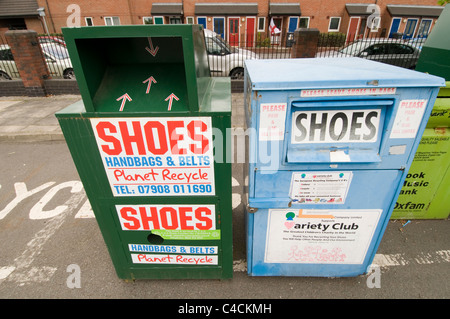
{"x": 55, "y": 55}
{"x": 399, "y": 52}
{"x": 227, "y": 60}
{"x": 8, "y": 70}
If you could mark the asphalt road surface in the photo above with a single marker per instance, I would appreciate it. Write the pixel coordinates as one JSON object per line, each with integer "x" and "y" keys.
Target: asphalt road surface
{"x": 51, "y": 246}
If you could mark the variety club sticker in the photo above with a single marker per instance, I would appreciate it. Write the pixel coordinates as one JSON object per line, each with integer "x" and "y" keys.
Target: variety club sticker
{"x": 156, "y": 156}
{"x": 318, "y": 236}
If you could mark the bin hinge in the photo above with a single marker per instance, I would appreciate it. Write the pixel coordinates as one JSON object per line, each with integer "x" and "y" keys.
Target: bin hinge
{"x": 251, "y": 210}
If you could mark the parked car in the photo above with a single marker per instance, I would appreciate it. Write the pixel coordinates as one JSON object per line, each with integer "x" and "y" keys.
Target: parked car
{"x": 225, "y": 60}
{"x": 417, "y": 42}
{"x": 58, "y": 60}
{"x": 51, "y": 39}
{"x": 56, "y": 57}
{"x": 390, "y": 51}
{"x": 8, "y": 68}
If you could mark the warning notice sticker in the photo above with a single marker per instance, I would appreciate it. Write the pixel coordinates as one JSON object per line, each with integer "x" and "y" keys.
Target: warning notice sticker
{"x": 320, "y": 187}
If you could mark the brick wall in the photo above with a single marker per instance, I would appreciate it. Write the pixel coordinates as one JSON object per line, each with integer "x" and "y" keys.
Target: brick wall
{"x": 132, "y": 12}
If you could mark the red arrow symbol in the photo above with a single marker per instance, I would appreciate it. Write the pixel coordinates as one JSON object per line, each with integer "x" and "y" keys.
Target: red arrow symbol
{"x": 170, "y": 99}
{"x": 151, "y": 50}
{"x": 123, "y": 98}
{"x": 149, "y": 80}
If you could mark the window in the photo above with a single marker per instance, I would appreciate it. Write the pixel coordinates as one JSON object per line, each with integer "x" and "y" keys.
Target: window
{"x": 6, "y": 55}
{"x": 175, "y": 20}
{"x": 334, "y": 24}
{"x": 89, "y": 21}
{"x": 304, "y": 22}
{"x": 189, "y": 20}
{"x": 147, "y": 20}
{"x": 112, "y": 21}
{"x": 377, "y": 49}
{"x": 158, "y": 20}
{"x": 261, "y": 24}
{"x": 397, "y": 48}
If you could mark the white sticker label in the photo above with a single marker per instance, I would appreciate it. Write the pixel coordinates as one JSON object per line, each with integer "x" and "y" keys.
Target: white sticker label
{"x": 157, "y": 156}
{"x": 272, "y": 119}
{"x": 408, "y": 118}
{"x": 320, "y": 187}
{"x": 320, "y": 236}
{"x": 334, "y": 126}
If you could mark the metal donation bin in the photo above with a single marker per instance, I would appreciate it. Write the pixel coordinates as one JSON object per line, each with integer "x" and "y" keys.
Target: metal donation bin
{"x": 142, "y": 142}
{"x": 426, "y": 191}
{"x": 332, "y": 142}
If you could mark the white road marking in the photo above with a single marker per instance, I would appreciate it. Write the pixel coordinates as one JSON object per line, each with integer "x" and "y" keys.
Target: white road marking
{"x": 386, "y": 260}
{"x": 22, "y": 271}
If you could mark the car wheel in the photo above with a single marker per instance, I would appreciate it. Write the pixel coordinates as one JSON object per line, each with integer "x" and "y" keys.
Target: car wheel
{"x": 237, "y": 74}
{"x": 4, "y": 76}
{"x": 69, "y": 74}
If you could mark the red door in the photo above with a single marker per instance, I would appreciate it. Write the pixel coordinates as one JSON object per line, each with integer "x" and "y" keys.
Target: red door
{"x": 352, "y": 29}
{"x": 250, "y": 33}
{"x": 233, "y": 31}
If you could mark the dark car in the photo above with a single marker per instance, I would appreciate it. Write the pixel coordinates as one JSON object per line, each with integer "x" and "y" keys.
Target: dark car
{"x": 390, "y": 51}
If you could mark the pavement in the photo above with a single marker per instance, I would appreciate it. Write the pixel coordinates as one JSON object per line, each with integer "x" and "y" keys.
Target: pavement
{"x": 31, "y": 119}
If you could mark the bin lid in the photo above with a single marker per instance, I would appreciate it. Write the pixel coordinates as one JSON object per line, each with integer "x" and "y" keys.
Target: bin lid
{"x": 333, "y": 73}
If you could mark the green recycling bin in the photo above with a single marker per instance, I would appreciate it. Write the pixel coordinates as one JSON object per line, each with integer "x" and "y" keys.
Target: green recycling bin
{"x": 142, "y": 142}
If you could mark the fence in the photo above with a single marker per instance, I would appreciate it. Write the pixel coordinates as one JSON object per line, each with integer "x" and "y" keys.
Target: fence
{"x": 226, "y": 60}
{"x": 399, "y": 52}
{"x": 8, "y": 68}
{"x": 55, "y": 53}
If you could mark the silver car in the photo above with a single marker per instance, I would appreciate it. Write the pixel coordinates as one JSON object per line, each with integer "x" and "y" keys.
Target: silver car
{"x": 56, "y": 57}
{"x": 225, "y": 60}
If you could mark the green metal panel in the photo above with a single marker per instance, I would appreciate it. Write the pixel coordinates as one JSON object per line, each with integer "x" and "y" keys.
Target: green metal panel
{"x": 435, "y": 55}
{"x": 152, "y": 234}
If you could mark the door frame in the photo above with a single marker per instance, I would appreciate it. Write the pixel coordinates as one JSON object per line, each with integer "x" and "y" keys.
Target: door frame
{"x": 238, "y": 31}
{"x": 253, "y": 33}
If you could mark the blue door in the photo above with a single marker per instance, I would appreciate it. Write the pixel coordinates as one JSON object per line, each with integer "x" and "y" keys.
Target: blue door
{"x": 202, "y": 21}
{"x": 219, "y": 27}
{"x": 410, "y": 28}
{"x": 293, "y": 23}
{"x": 394, "y": 26}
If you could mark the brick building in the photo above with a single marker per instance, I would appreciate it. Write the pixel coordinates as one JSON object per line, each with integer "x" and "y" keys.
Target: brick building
{"x": 233, "y": 20}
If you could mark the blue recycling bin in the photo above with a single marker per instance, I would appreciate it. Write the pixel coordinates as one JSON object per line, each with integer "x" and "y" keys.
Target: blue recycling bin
{"x": 331, "y": 142}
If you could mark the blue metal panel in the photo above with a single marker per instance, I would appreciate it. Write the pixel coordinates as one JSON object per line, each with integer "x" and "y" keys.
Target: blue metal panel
{"x": 318, "y": 73}
{"x": 331, "y": 141}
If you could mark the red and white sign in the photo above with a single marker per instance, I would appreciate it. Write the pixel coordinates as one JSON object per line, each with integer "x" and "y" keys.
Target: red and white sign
{"x": 168, "y": 217}
{"x": 408, "y": 118}
{"x": 157, "y": 156}
{"x": 271, "y": 121}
